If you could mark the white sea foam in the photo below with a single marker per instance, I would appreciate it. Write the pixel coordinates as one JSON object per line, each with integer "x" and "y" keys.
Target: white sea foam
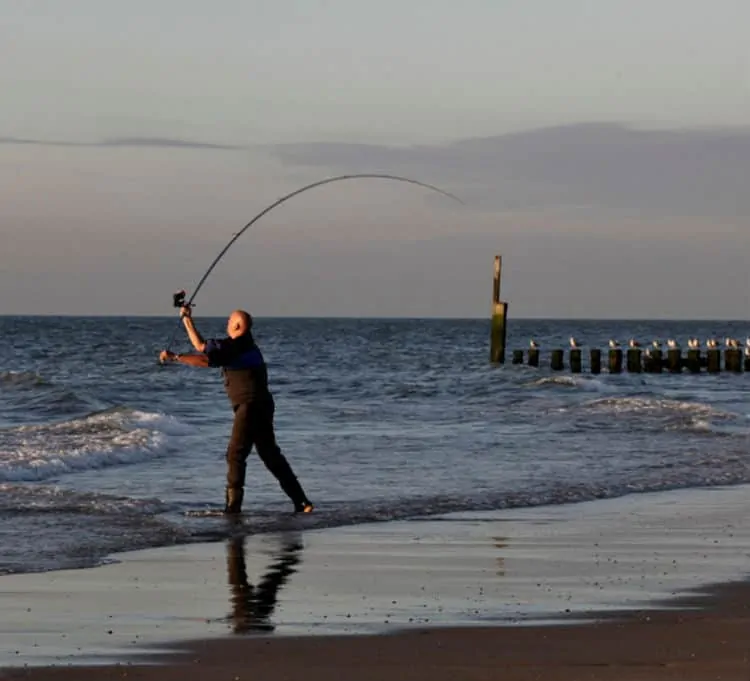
{"x": 584, "y": 383}
{"x": 656, "y": 405}
{"x": 108, "y": 438}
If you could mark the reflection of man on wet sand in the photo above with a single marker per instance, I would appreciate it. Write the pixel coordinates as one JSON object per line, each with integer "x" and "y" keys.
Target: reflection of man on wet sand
{"x": 252, "y": 606}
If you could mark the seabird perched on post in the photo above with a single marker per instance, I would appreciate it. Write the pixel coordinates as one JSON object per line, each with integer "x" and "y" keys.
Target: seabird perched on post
{"x": 613, "y": 343}
{"x": 711, "y": 343}
{"x": 672, "y": 344}
{"x": 573, "y": 342}
{"x": 633, "y": 343}
{"x": 533, "y": 344}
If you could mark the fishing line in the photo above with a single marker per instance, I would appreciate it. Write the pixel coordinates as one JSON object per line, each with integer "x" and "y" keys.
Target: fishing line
{"x": 179, "y": 298}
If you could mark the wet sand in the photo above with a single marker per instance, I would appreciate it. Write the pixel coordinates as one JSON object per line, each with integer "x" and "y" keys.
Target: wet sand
{"x": 644, "y": 587}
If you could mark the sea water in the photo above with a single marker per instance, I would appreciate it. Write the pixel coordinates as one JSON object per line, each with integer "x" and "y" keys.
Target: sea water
{"x": 102, "y": 449}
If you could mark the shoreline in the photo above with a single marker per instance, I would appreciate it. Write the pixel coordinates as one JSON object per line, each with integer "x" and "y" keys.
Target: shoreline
{"x": 665, "y": 562}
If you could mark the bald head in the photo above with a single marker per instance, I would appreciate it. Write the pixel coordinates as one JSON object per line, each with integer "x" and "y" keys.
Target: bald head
{"x": 239, "y": 323}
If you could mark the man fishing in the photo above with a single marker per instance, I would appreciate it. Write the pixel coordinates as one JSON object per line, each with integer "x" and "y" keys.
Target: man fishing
{"x": 246, "y": 385}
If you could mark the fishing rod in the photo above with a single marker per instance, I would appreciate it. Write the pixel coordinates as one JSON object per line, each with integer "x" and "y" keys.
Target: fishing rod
{"x": 178, "y": 299}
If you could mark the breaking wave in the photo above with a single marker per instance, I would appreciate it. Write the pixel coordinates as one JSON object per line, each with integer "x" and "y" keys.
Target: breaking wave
{"x": 654, "y": 405}
{"x": 655, "y": 414}
{"x": 581, "y": 382}
{"x": 111, "y": 437}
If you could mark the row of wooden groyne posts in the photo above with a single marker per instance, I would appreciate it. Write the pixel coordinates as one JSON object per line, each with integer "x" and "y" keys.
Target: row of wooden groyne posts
{"x": 732, "y": 357}
{"x": 652, "y": 359}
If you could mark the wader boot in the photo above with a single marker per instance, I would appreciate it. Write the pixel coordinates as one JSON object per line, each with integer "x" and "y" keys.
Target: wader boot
{"x": 233, "y": 499}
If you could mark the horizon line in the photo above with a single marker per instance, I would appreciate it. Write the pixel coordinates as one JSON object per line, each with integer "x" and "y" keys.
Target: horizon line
{"x": 46, "y": 315}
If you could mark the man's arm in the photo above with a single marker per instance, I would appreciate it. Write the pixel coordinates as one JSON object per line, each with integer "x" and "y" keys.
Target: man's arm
{"x": 193, "y": 334}
{"x": 199, "y": 360}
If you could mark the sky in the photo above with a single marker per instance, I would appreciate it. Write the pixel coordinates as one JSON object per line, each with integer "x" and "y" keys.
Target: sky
{"x": 602, "y": 147}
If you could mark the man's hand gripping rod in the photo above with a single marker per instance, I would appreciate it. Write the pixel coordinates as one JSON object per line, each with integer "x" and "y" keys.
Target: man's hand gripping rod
{"x": 178, "y": 301}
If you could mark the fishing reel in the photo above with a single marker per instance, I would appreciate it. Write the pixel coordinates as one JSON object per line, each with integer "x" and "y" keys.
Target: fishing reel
{"x": 178, "y": 300}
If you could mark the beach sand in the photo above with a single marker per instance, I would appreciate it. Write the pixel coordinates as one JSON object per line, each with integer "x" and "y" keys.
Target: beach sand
{"x": 643, "y": 587}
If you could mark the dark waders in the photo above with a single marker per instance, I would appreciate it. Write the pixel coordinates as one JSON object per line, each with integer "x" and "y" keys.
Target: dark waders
{"x": 253, "y": 425}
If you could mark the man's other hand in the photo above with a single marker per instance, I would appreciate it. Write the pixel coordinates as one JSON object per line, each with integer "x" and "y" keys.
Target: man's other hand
{"x": 166, "y": 355}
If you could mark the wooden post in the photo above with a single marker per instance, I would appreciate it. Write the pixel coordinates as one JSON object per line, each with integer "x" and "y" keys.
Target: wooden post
{"x": 647, "y": 361}
{"x": 517, "y": 357}
{"x": 575, "y": 360}
{"x": 556, "y": 361}
{"x": 674, "y": 360}
{"x": 655, "y": 362}
{"x": 713, "y": 360}
{"x": 747, "y": 361}
{"x": 732, "y": 359}
{"x": 615, "y": 361}
{"x": 534, "y": 357}
{"x": 634, "y": 360}
{"x": 693, "y": 361}
{"x": 596, "y": 361}
{"x": 738, "y": 363}
{"x": 499, "y": 318}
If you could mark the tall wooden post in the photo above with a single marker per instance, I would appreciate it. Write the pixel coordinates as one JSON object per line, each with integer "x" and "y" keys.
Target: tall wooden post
{"x": 499, "y": 317}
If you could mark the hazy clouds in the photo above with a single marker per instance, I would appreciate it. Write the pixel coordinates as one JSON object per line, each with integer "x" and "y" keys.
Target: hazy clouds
{"x": 592, "y": 219}
{"x": 595, "y": 170}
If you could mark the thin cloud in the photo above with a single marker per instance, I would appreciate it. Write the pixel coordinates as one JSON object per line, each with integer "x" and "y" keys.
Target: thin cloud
{"x": 587, "y": 169}
{"x": 161, "y": 142}
{"x": 48, "y": 143}
{"x": 164, "y": 142}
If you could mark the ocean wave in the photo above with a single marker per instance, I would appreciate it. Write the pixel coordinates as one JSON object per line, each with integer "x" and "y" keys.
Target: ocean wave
{"x": 27, "y": 395}
{"x": 41, "y": 498}
{"x": 22, "y": 379}
{"x": 657, "y": 406}
{"x": 581, "y": 382}
{"x": 658, "y": 415}
{"x": 111, "y": 437}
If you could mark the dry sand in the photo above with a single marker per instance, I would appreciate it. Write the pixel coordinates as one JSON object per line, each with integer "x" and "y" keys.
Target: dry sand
{"x": 587, "y": 591}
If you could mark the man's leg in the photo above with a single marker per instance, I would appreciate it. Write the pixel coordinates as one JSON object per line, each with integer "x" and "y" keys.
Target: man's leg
{"x": 240, "y": 444}
{"x": 270, "y": 453}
